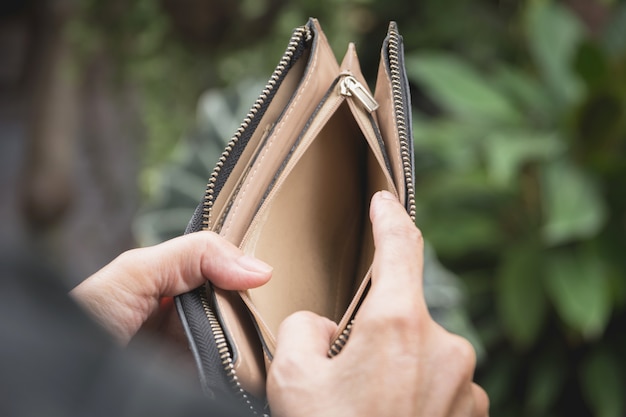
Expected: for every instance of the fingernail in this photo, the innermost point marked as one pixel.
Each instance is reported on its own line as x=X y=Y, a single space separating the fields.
x=386 y=195
x=252 y=264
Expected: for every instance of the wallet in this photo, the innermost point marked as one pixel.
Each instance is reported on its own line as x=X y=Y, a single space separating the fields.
x=293 y=188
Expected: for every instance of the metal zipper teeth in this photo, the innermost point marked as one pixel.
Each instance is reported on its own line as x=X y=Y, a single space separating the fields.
x=302 y=32
x=226 y=358
x=401 y=121
x=225 y=355
x=405 y=153
x=341 y=341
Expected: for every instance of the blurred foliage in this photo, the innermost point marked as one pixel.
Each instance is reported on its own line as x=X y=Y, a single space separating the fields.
x=522 y=190
x=172 y=50
x=520 y=135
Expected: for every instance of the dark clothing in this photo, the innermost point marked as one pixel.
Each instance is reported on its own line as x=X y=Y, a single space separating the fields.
x=54 y=361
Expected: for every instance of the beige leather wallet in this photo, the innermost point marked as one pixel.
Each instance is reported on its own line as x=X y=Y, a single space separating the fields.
x=293 y=188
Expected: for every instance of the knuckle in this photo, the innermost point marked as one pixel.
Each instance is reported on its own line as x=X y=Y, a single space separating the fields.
x=210 y=242
x=463 y=354
x=131 y=256
x=398 y=318
x=286 y=362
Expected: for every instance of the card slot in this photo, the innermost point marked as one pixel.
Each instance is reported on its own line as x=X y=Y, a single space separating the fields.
x=253 y=140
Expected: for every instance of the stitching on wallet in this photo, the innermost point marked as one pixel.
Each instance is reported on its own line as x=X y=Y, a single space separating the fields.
x=270 y=143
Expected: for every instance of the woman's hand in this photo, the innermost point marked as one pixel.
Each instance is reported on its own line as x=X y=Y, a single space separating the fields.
x=397 y=362
x=128 y=291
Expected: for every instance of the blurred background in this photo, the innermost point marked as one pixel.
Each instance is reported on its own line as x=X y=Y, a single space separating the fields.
x=113 y=113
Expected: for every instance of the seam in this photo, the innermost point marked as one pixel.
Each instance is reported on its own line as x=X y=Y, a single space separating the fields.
x=270 y=143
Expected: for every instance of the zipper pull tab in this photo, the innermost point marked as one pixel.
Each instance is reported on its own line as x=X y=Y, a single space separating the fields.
x=351 y=87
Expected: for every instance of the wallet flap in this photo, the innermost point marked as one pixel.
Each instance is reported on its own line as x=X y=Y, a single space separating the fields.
x=280 y=133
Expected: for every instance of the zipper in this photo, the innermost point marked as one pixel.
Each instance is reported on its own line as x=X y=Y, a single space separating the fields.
x=341 y=340
x=401 y=118
x=301 y=33
x=351 y=87
x=225 y=355
x=395 y=69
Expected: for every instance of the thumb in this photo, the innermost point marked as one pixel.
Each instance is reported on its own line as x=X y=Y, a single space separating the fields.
x=186 y=262
x=124 y=293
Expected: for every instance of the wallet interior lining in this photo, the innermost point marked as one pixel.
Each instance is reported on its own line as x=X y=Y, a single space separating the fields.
x=315 y=229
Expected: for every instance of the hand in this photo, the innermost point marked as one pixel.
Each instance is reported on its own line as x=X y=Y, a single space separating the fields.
x=128 y=291
x=397 y=362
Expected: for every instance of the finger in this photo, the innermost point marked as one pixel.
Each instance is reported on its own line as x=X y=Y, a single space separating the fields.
x=306 y=335
x=398 y=259
x=481 y=401
x=300 y=357
x=184 y=263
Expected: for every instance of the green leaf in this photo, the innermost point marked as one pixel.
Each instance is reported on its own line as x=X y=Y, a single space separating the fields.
x=573 y=206
x=521 y=300
x=456 y=232
x=602 y=384
x=526 y=91
x=578 y=285
x=454 y=142
x=507 y=152
x=460 y=89
x=553 y=34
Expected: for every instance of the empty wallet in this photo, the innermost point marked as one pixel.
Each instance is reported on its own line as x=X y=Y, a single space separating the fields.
x=293 y=188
